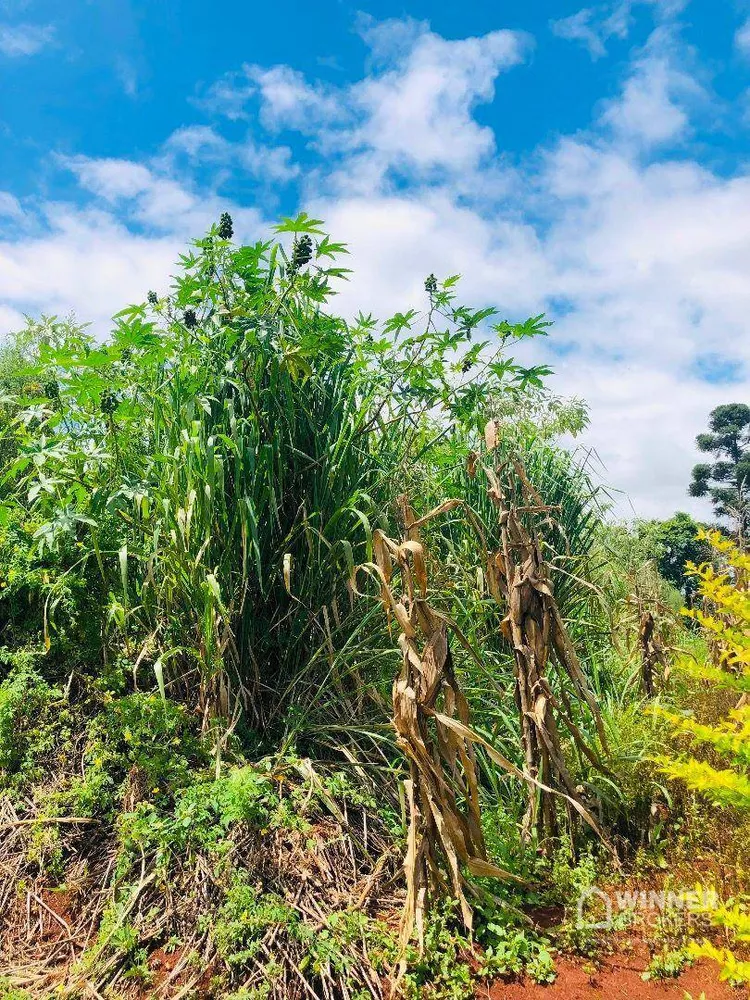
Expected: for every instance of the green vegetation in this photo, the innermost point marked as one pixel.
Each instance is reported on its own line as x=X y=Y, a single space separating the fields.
x=726 y=480
x=722 y=776
x=224 y=530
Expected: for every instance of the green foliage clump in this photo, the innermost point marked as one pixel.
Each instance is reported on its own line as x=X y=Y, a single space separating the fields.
x=10 y=992
x=219 y=465
x=201 y=815
x=635 y=738
x=667 y=964
x=248 y=912
x=726 y=480
x=511 y=949
x=666 y=546
x=117 y=934
x=332 y=946
x=441 y=971
x=33 y=720
x=677 y=544
x=568 y=876
x=143 y=734
x=261 y=992
x=245 y=916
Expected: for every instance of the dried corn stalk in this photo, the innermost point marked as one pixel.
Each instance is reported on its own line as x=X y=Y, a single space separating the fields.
x=652 y=653
x=431 y=716
x=519 y=580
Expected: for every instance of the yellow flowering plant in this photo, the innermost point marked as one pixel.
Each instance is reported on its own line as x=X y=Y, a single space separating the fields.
x=725 y=779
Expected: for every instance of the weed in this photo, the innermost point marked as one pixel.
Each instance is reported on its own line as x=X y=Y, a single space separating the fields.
x=141 y=735
x=243 y=919
x=10 y=992
x=579 y=939
x=667 y=964
x=33 y=724
x=441 y=971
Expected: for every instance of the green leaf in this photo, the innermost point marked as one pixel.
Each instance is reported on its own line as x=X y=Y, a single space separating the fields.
x=301 y=224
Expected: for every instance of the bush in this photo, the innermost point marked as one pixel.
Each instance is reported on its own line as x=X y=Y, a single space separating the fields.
x=140 y=737
x=33 y=720
x=723 y=779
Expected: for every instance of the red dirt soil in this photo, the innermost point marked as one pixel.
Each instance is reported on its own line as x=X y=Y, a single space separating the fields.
x=617 y=978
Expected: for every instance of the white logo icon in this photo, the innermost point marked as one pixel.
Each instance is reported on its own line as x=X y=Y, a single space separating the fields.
x=592 y=901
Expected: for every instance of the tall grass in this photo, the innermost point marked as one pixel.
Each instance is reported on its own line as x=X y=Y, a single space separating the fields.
x=219 y=465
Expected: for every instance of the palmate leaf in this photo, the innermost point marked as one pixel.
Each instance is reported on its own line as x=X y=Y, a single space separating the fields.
x=300 y=224
x=336 y=272
x=326 y=248
x=400 y=321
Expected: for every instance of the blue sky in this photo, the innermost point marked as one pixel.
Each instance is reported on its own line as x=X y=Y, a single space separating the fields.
x=587 y=161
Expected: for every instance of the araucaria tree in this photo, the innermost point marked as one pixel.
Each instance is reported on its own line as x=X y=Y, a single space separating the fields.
x=726 y=481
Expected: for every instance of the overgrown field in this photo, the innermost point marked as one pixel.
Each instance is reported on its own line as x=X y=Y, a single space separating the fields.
x=323 y=672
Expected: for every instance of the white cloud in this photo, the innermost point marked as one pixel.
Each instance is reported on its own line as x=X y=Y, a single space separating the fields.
x=10 y=319
x=658 y=94
x=418 y=113
x=10 y=207
x=593 y=27
x=228 y=96
x=127 y=75
x=144 y=197
x=85 y=262
x=109 y=178
x=202 y=145
x=742 y=39
x=196 y=140
x=644 y=423
x=288 y=101
x=413 y=112
x=18 y=40
x=397 y=240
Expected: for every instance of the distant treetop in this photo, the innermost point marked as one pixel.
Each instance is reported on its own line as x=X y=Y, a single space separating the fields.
x=726 y=480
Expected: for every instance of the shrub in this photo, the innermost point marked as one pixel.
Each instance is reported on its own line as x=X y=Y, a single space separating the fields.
x=139 y=736
x=723 y=779
x=29 y=728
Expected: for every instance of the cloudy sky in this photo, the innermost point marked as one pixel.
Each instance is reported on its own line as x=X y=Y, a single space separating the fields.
x=590 y=163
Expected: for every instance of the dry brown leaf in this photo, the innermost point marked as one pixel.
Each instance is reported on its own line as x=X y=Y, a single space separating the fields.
x=490 y=435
